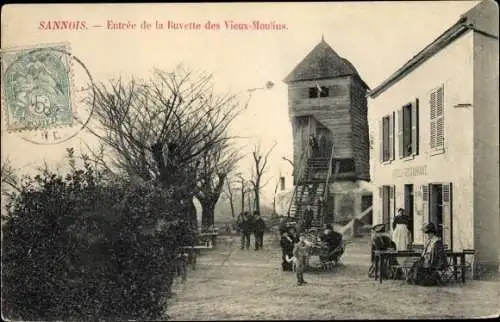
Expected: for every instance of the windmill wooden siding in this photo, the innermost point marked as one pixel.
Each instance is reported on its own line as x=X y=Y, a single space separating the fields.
x=360 y=132
x=344 y=114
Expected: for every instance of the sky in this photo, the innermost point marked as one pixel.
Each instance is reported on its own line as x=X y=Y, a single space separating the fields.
x=376 y=37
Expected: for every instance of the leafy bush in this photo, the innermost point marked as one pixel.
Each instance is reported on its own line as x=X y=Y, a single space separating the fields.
x=82 y=247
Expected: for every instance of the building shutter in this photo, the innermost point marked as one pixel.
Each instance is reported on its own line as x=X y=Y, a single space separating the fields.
x=392 y=205
x=425 y=204
x=400 y=134
x=440 y=117
x=414 y=128
x=381 y=205
x=433 y=108
x=391 y=136
x=381 y=139
x=417 y=221
x=447 y=216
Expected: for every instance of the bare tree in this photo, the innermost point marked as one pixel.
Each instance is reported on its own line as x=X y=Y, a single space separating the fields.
x=243 y=191
x=8 y=176
x=215 y=166
x=230 y=195
x=274 y=196
x=260 y=159
x=162 y=128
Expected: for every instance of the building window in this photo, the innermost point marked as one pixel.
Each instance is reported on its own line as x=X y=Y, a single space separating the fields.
x=325 y=91
x=347 y=165
x=282 y=183
x=437 y=119
x=313 y=92
x=386 y=196
x=408 y=130
x=387 y=138
x=319 y=91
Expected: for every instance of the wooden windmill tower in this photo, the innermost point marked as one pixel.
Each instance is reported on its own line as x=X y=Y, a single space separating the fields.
x=327 y=101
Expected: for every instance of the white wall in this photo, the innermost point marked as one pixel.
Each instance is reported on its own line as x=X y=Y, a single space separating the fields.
x=453 y=68
x=486 y=149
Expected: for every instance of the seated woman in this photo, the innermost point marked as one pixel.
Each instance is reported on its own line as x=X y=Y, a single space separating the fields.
x=381 y=241
x=334 y=244
x=425 y=270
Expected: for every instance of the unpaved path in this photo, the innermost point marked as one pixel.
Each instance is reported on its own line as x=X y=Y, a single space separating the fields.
x=235 y=284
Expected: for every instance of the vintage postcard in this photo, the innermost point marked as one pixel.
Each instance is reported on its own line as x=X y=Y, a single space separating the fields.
x=250 y=161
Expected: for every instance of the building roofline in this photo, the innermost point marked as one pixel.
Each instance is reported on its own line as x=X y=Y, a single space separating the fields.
x=447 y=37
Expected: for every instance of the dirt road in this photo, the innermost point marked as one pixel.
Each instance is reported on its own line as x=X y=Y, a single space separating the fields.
x=235 y=284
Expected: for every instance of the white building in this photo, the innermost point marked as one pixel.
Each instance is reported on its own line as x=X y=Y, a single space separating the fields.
x=435 y=128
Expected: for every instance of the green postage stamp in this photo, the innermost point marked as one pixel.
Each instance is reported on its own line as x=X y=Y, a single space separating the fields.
x=36 y=88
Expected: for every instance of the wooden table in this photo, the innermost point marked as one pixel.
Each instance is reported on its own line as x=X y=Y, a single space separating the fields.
x=212 y=235
x=382 y=258
x=193 y=253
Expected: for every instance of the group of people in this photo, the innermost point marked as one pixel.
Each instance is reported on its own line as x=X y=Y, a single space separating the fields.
x=296 y=248
x=251 y=224
x=433 y=258
x=319 y=147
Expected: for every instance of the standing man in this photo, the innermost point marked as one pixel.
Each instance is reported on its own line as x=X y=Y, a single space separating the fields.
x=244 y=226
x=323 y=145
x=313 y=143
x=259 y=227
x=308 y=218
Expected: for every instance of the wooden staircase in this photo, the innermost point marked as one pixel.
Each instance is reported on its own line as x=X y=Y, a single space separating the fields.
x=311 y=188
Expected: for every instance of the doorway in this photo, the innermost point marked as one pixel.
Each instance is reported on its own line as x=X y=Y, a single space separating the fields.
x=408 y=202
x=366 y=202
x=435 y=207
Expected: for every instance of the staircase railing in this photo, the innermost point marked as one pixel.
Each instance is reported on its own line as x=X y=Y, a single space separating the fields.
x=325 y=192
x=299 y=174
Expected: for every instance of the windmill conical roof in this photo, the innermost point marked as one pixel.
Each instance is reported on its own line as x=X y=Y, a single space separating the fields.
x=322 y=63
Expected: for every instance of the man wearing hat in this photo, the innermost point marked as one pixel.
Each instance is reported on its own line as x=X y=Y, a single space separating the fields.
x=433 y=258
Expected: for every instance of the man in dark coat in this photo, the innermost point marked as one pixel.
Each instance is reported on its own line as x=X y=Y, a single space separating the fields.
x=334 y=242
x=259 y=228
x=308 y=218
x=244 y=226
x=287 y=242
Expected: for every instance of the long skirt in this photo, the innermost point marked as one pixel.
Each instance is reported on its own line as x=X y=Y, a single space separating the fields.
x=401 y=237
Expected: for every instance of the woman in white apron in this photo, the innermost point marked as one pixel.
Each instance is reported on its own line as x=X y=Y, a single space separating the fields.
x=400 y=232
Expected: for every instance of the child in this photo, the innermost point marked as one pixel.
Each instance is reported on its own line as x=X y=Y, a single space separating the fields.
x=300 y=253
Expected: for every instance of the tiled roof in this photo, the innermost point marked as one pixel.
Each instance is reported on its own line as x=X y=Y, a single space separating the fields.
x=321 y=63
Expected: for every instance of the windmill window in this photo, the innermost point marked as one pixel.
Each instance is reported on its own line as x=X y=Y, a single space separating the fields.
x=319 y=91
x=347 y=165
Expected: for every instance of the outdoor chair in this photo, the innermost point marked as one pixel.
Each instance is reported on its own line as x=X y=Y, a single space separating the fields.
x=472 y=264
x=435 y=275
x=401 y=271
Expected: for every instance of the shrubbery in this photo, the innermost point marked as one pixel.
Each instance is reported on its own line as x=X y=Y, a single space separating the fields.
x=82 y=247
